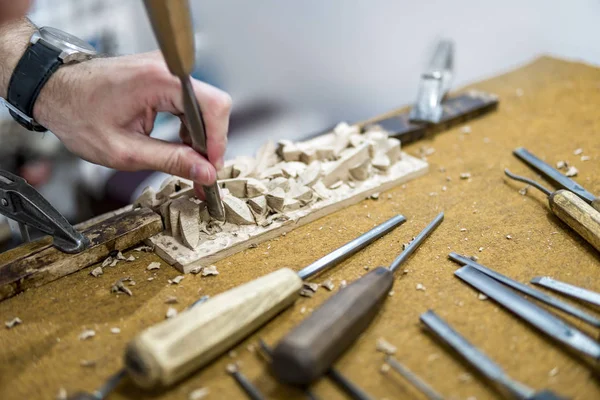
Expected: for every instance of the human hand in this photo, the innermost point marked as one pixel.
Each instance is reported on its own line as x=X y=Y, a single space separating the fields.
x=104 y=110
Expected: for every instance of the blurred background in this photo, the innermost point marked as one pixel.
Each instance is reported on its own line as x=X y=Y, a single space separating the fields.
x=294 y=68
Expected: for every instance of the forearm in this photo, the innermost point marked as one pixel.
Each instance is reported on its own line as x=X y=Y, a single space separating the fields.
x=14 y=37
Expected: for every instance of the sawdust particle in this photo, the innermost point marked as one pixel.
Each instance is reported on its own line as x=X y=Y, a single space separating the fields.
x=463 y=229
x=96 y=272
x=385 y=347
x=474 y=258
x=444 y=188
x=198 y=394
x=328 y=284
x=120 y=287
x=306 y=293
x=153 y=265
x=210 y=270
x=466 y=129
x=302 y=310
x=482 y=296
x=561 y=164
x=578 y=151
x=420 y=287
x=87 y=363
x=375 y=196
x=115 y=330
x=176 y=280
x=131 y=258
x=391 y=293
x=553 y=372
x=509 y=237
x=465 y=175
x=343 y=284
x=480 y=249
x=13 y=322
x=523 y=191
x=87 y=334
x=311 y=286
x=519 y=92
x=150 y=279
x=253 y=246
x=62 y=394
x=465 y=378
x=251 y=348
x=572 y=171
x=384 y=368
x=585 y=158
x=171 y=300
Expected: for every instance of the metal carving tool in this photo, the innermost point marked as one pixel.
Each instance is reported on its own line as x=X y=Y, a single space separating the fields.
x=529 y=291
x=247 y=386
x=113 y=381
x=507 y=386
x=568 y=289
x=554 y=176
x=413 y=379
x=154 y=357
x=172 y=25
x=535 y=315
x=336 y=376
x=19 y=201
x=310 y=349
x=435 y=84
x=571 y=209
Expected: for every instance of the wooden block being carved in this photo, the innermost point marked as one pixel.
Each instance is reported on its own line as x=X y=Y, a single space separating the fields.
x=276 y=198
x=255 y=188
x=381 y=162
x=242 y=167
x=362 y=171
x=236 y=186
x=393 y=150
x=311 y=174
x=326 y=153
x=304 y=194
x=226 y=171
x=266 y=156
x=189 y=223
x=288 y=151
x=258 y=205
x=270 y=173
x=280 y=182
x=308 y=155
x=146 y=199
x=339 y=169
x=164 y=212
x=42 y=263
x=292 y=169
x=237 y=211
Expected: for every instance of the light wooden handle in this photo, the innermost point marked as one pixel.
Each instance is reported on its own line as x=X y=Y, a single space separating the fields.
x=171 y=350
x=172 y=26
x=309 y=350
x=576 y=213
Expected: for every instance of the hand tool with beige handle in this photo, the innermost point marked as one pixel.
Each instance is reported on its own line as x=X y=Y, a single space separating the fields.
x=573 y=211
x=557 y=179
x=509 y=388
x=172 y=26
x=576 y=292
x=173 y=349
x=310 y=349
x=529 y=291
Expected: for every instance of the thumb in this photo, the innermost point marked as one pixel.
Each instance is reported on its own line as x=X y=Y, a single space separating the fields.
x=147 y=153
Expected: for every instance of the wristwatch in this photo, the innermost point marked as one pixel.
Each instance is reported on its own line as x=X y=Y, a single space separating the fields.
x=48 y=49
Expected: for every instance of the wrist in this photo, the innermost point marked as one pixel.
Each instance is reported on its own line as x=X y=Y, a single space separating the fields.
x=14 y=39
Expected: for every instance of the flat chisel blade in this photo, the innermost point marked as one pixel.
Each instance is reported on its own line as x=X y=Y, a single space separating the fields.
x=568 y=289
x=535 y=315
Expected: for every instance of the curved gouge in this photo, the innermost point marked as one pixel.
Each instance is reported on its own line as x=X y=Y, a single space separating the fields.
x=573 y=211
x=172 y=26
x=173 y=349
x=311 y=348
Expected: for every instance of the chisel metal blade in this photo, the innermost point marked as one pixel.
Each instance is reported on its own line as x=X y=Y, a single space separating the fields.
x=568 y=289
x=535 y=315
x=553 y=175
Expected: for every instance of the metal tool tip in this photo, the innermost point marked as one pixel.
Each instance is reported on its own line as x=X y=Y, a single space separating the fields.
x=536 y=279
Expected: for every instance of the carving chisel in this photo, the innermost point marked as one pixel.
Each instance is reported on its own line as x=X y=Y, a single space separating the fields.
x=173 y=349
x=172 y=25
x=554 y=176
x=243 y=382
x=310 y=349
x=573 y=211
x=535 y=315
x=414 y=380
x=509 y=388
x=529 y=291
x=568 y=289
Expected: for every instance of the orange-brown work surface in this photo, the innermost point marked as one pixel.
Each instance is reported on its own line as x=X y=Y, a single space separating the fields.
x=551 y=107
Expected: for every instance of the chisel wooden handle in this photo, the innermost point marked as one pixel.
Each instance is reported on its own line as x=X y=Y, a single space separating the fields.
x=576 y=213
x=171 y=350
x=310 y=349
x=172 y=25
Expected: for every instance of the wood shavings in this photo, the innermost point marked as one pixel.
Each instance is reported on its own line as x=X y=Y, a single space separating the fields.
x=466 y=129
x=375 y=196
x=120 y=287
x=198 y=394
x=107 y=261
x=87 y=363
x=311 y=286
x=120 y=256
x=553 y=372
x=196 y=270
x=96 y=272
x=302 y=310
x=366 y=267
x=115 y=330
x=482 y=296
x=131 y=282
x=384 y=368
x=150 y=279
x=13 y=322
x=386 y=347
x=146 y=249
x=405 y=272
x=444 y=188
x=328 y=284
x=343 y=284
x=306 y=292
x=171 y=312
x=62 y=394
x=523 y=191
x=131 y=258
x=420 y=287
x=231 y=368
x=572 y=171
x=561 y=164
x=171 y=300
x=391 y=293
x=585 y=158
x=253 y=246
x=176 y=280
x=480 y=249
x=210 y=270
x=114 y=262
x=509 y=237
x=463 y=229
x=87 y=334
x=465 y=175
x=578 y=151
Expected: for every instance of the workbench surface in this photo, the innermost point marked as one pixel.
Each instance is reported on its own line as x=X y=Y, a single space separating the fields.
x=550 y=107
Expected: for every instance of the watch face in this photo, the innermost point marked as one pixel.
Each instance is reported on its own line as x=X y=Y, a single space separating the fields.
x=64 y=41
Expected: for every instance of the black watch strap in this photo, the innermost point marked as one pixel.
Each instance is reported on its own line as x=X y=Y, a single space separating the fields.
x=32 y=72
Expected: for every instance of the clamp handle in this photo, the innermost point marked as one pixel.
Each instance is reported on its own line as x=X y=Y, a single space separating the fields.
x=21 y=202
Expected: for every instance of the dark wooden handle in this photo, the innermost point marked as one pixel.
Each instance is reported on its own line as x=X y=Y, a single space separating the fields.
x=576 y=213
x=172 y=26
x=308 y=351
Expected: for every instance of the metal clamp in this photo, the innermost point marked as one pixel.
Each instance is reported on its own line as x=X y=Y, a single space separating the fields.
x=20 y=201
